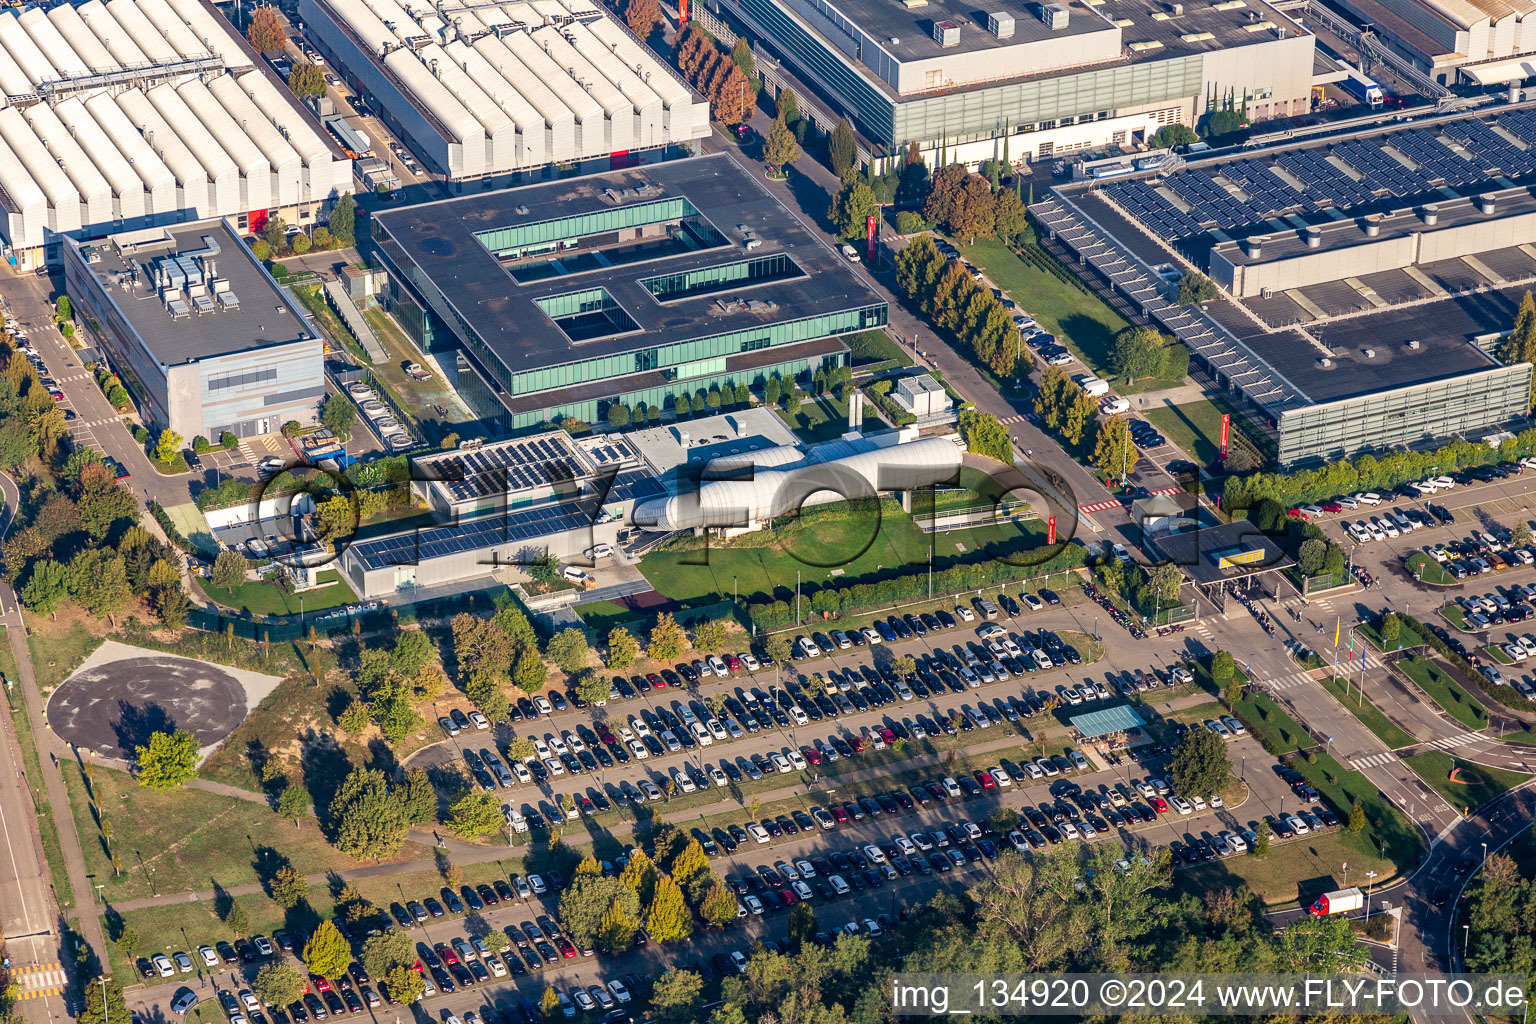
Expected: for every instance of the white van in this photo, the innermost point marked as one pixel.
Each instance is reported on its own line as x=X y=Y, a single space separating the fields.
x=1368 y=498
x=1091 y=385
x=1114 y=406
x=573 y=574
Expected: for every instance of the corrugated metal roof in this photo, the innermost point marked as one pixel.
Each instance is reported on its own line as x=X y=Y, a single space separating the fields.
x=192 y=174
x=92 y=184
x=137 y=24
x=104 y=156
x=607 y=95
x=82 y=40
x=118 y=42
x=176 y=31
x=217 y=35
x=673 y=93
x=146 y=163
x=59 y=53
x=13 y=80
x=253 y=164
x=20 y=46
x=28 y=149
x=1101 y=723
x=460 y=124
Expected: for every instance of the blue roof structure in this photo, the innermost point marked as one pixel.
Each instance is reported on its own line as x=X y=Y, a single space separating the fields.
x=1101 y=723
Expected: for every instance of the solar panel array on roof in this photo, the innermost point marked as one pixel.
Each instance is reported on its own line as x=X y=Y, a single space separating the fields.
x=1521 y=124
x=1313 y=170
x=518 y=465
x=1209 y=202
x=1424 y=149
x=1382 y=172
x=1144 y=202
x=1267 y=191
x=1501 y=154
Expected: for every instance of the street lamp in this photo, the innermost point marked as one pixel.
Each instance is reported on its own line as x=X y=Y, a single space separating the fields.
x=1368 y=876
x=1485 y=853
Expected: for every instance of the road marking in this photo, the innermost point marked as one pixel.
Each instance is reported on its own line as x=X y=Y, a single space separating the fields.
x=1460 y=739
x=1372 y=761
x=1098 y=506
x=1009 y=421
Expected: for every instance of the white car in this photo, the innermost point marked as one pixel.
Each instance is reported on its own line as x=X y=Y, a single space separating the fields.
x=797 y=760
x=874 y=853
x=717 y=666
x=536 y=883
x=750 y=661
x=966 y=615
x=1032 y=602
x=805 y=867
x=808 y=646
x=871 y=637
x=209 y=957
x=757 y=832
x=1182 y=806
x=479 y=720
x=1516 y=652
x=1003 y=778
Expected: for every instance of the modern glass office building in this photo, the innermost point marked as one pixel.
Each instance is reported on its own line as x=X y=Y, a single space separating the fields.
x=633 y=287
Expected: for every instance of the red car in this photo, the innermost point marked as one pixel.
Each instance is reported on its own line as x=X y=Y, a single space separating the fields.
x=787 y=897
x=1297 y=513
x=986 y=780
x=1332 y=506
x=656 y=681
x=888 y=736
x=811 y=754
x=567 y=950
x=1159 y=805
x=733 y=663
x=840 y=814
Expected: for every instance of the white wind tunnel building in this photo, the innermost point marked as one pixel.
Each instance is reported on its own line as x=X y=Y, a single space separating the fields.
x=127 y=114
x=487 y=90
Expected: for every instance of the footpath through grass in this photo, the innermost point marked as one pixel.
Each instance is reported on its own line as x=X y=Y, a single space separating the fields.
x=16 y=705
x=1369 y=714
x=1474 y=784
x=1446 y=692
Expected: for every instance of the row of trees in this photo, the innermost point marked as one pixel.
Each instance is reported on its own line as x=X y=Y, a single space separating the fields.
x=984 y=434
x=732 y=96
x=942 y=290
x=1368 y=472
x=490 y=654
x=971 y=206
x=1073 y=414
x=1146 y=352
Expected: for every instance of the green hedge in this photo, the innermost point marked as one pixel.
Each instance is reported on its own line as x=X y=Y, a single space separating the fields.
x=1508 y=696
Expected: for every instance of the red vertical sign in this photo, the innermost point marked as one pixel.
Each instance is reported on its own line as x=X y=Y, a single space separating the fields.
x=1226 y=432
x=1050 y=530
x=682 y=13
x=870 y=224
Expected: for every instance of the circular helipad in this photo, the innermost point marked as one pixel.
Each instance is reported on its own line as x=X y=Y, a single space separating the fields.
x=122 y=695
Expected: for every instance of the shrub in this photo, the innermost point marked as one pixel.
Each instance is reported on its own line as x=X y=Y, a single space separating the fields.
x=200 y=445
x=910 y=222
x=229 y=440
x=141 y=435
x=261 y=250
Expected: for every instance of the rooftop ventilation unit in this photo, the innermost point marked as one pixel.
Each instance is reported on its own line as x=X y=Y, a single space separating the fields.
x=1412 y=344
x=1055 y=16
x=1488 y=204
x=1255 y=247
x=1431 y=214
x=1314 y=237
x=946 y=33
x=1000 y=24
x=1372 y=227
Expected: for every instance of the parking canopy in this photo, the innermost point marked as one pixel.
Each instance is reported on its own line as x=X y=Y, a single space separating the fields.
x=1101 y=723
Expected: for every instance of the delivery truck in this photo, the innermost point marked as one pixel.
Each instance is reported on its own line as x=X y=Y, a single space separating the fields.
x=1341 y=901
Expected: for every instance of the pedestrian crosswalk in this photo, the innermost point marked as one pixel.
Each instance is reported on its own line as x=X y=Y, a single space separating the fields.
x=1009 y=421
x=39 y=980
x=1372 y=760
x=1098 y=506
x=1461 y=739
x=1300 y=678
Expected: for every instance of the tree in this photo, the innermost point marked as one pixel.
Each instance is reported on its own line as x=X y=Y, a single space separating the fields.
x=802 y=924
x=265 y=32
x=851 y=206
x=668 y=918
x=529 y=672
x=46 y=587
x=1356 y=817
x=235 y=919
x=1115 y=453
x=1391 y=631
x=1171 y=135
x=1138 y=352
x=549 y=1005
x=1199 y=765
x=307 y=80
x=617 y=415
x=355 y=717
x=780 y=148
x=667 y=641
x=1310 y=555
x=718 y=906
x=279 y=983
x=741 y=56
x=104 y=1003
x=591 y=687
x=623 y=648
x=403 y=984
x=417 y=797
x=1261 y=836
x=733 y=99
x=293 y=803
x=788 y=106
x=588 y=900
x=337 y=414
x=169 y=760
x=568 y=649
x=709 y=635
x=1222 y=668
x=385 y=951
x=842 y=148
x=62 y=309
x=288 y=889
x=343 y=219
x=642 y=16
x=1011 y=220
x=676 y=996
x=412 y=652
x=327 y=952
x=474 y=815
x=985 y=434
x=366 y=819
x=1195 y=288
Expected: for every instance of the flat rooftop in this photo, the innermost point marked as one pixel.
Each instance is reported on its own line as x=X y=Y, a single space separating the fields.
x=885 y=19
x=1348 y=232
x=261 y=316
x=1200 y=554
x=593 y=277
x=696 y=442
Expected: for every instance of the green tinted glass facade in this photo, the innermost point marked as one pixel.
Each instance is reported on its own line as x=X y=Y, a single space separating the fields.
x=671 y=287
x=518 y=238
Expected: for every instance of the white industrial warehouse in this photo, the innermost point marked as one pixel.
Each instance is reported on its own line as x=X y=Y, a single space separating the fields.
x=487 y=90
x=134 y=113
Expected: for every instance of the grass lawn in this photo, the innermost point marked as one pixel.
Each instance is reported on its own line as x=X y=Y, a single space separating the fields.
x=869 y=349
x=1476 y=784
x=16 y=706
x=602 y=616
x=185 y=926
x=828 y=544
x=1386 y=831
x=1296 y=871
x=1280 y=732
x=1196 y=427
x=1076 y=316
x=1497 y=654
x=1427 y=570
x=1407 y=636
x=184 y=840
x=1453 y=614
x=826 y=419
x=1457 y=702
x=1369 y=714
x=268 y=598
x=58 y=646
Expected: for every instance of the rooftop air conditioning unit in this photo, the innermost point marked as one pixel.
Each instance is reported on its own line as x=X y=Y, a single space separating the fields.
x=1055 y=16
x=946 y=33
x=1000 y=24
x=1412 y=344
